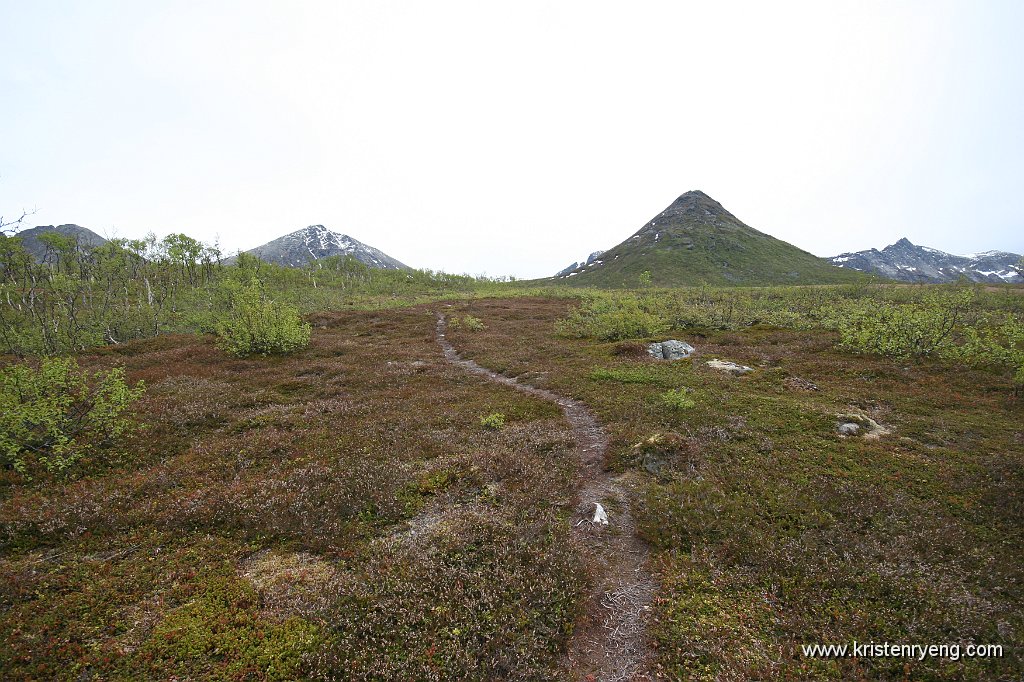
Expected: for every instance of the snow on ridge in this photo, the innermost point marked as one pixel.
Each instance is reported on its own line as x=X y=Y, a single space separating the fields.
x=325 y=238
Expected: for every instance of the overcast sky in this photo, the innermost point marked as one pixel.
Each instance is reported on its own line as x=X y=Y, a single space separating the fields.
x=515 y=137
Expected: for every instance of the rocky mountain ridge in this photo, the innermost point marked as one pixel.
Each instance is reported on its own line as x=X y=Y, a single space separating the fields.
x=908 y=262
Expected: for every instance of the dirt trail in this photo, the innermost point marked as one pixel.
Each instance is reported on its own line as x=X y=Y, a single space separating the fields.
x=611 y=644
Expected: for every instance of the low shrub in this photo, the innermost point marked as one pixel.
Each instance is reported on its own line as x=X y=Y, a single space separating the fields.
x=678 y=399
x=53 y=416
x=467 y=322
x=256 y=325
x=612 y=319
x=494 y=421
x=903 y=330
x=995 y=342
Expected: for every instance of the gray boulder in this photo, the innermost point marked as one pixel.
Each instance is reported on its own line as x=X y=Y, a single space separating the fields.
x=848 y=429
x=670 y=350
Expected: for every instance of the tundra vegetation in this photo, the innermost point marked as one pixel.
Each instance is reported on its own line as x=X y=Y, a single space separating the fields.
x=183 y=497
x=768 y=528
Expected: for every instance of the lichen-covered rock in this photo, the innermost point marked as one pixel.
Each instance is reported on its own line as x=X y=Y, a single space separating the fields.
x=730 y=367
x=860 y=423
x=670 y=350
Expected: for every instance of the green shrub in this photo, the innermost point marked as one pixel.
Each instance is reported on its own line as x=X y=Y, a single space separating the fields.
x=494 y=421
x=903 y=329
x=994 y=342
x=678 y=399
x=612 y=319
x=468 y=322
x=53 y=416
x=256 y=325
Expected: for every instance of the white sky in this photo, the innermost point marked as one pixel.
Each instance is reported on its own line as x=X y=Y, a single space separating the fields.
x=515 y=137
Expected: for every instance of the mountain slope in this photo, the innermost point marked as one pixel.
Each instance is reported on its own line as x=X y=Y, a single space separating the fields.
x=695 y=241
x=86 y=238
x=909 y=262
x=316 y=242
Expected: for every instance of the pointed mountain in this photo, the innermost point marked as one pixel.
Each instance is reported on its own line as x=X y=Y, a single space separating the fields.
x=84 y=237
x=694 y=241
x=316 y=242
x=908 y=262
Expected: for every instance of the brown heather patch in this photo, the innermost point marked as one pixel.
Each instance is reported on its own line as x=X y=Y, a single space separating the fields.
x=293 y=583
x=236 y=532
x=342 y=514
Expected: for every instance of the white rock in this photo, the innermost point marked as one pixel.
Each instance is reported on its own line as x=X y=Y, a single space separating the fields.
x=600 y=516
x=730 y=367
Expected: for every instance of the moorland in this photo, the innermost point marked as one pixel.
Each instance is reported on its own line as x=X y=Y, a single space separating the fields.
x=250 y=471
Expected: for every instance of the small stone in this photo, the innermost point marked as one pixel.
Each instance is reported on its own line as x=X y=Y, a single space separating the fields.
x=849 y=429
x=600 y=516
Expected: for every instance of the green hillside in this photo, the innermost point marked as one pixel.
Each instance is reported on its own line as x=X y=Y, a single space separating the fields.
x=696 y=241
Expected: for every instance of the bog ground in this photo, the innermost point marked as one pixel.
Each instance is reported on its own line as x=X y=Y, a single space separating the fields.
x=358 y=510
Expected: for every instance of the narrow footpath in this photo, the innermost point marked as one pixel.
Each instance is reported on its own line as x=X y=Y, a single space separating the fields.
x=610 y=644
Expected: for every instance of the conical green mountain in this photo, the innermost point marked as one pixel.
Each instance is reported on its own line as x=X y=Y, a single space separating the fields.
x=696 y=241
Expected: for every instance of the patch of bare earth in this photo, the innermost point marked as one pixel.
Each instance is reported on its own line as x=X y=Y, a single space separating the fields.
x=610 y=643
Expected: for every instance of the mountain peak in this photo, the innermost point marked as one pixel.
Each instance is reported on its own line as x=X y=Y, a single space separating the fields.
x=694 y=198
x=85 y=238
x=693 y=207
x=693 y=194
x=696 y=240
x=314 y=242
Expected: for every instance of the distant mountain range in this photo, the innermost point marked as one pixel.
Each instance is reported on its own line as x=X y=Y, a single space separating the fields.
x=909 y=262
x=294 y=249
x=694 y=241
x=316 y=242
